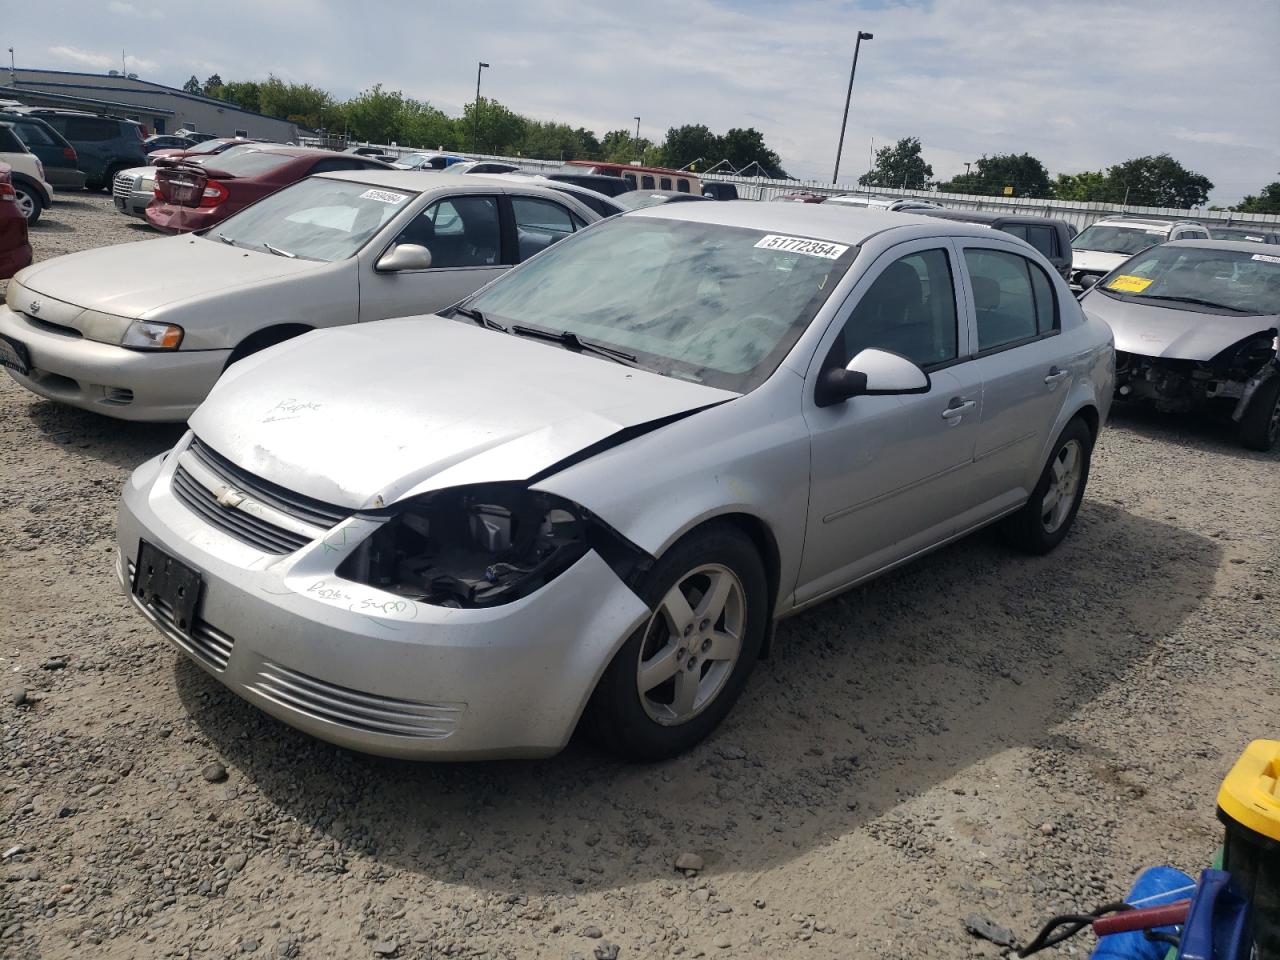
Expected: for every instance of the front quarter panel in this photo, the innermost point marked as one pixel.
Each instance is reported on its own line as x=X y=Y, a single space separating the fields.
x=747 y=456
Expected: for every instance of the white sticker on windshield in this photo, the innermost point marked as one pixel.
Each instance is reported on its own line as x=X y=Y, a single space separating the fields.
x=383 y=196
x=1265 y=258
x=810 y=248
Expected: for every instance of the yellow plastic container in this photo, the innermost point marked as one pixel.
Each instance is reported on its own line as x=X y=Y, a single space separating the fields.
x=1249 y=807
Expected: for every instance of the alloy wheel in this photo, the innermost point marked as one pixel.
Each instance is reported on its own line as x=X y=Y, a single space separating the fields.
x=1066 y=468
x=26 y=204
x=691 y=644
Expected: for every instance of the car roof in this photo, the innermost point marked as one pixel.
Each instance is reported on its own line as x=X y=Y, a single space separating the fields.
x=991 y=216
x=1141 y=222
x=1239 y=246
x=851 y=225
x=525 y=178
x=416 y=182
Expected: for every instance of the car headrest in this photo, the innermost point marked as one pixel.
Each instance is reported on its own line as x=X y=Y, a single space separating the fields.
x=986 y=293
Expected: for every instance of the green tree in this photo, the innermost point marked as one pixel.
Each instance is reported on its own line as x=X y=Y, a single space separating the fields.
x=621 y=146
x=553 y=141
x=1091 y=185
x=192 y=85
x=375 y=115
x=690 y=143
x=243 y=93
x=1158 y=181
x=421 y=124
x=590 y=145
x=743 y=147
x=212 y=86
x=499 y=130
x=899 y=166
x=1267 y=201
x=1023 y=172
x=299 y=102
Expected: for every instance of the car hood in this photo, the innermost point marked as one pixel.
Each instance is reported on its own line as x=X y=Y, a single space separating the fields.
x=131 y=279
x=363 y=416
x=1096 y=261
x=1157 y=331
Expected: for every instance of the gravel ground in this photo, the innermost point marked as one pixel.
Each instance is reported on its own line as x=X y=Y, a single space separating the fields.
x=981 y=733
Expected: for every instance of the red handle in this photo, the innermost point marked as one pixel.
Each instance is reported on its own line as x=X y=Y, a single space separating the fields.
x=1163 y=916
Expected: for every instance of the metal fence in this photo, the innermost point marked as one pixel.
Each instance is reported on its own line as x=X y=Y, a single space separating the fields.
x=1078 y=214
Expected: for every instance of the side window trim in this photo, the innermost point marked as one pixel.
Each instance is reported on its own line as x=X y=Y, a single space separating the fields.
x=961 y=244
x=835 y=328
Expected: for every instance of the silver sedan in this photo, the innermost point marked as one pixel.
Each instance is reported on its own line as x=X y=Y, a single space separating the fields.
x=141 y=331
x=591 y=489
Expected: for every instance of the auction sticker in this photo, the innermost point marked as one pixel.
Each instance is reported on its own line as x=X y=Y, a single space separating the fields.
x=1264 y=257
x=1127 y=284
x=810 y=248
x=383 y=196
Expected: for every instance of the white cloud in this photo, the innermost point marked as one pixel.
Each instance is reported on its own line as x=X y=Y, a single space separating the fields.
x=1081 y=85
x=124 y=9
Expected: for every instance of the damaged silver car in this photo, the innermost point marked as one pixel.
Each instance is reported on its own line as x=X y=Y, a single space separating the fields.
x=591 y=489
x=1196 y=323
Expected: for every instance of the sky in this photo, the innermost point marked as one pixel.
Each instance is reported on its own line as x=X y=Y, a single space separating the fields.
x=1080 y=85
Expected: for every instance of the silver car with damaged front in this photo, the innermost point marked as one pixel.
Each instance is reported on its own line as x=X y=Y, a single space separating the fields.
x=593 y=487
x=1196 y=325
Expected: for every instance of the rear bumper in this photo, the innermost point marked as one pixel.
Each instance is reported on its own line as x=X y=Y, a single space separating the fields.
x=111 y=380
x=172 y=218
x=65 y=178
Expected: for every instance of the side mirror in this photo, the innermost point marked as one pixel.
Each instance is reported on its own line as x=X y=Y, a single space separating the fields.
x=404 y=256
x=871 y=373
x=1088 y=280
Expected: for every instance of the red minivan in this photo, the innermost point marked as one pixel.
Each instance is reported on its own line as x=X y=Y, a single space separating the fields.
x=15 y=248
x=193 y=196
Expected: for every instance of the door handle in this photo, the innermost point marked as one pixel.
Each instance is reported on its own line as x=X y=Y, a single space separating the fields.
x=958 y=407
x=1055 y=374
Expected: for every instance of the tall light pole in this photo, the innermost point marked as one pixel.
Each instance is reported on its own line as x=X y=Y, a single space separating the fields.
x=475 y=116
x=847 y=97
x=636 y=142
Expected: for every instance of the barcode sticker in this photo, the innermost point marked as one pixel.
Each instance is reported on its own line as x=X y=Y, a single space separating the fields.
x=383 y=196
x=1265 y=258
x=810 y=248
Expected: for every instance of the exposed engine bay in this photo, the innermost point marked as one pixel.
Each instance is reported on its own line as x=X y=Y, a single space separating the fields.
x=1177 y=386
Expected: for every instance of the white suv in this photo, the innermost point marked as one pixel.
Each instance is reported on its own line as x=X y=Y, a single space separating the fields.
x=1105 y=244
x=34 y=194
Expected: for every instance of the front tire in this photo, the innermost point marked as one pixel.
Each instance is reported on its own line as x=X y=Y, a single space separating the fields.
x=1050 y=511
x=1260 y=425
x=680 y=673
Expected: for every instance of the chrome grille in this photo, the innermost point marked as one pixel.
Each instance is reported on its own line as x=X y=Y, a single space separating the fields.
x=245 y=527
x=351 y=708
x=123 y=184
x=205 y=642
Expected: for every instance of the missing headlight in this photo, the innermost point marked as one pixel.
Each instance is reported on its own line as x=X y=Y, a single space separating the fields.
x=481 y=546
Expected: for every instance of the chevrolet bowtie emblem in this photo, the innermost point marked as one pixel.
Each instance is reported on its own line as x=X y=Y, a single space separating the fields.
x=35 y=307
x=229 y=498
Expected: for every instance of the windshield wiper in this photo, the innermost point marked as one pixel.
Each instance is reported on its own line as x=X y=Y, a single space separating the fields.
x=1196 y=300
x=225 y=239
x=574 y=342
x=480 y=318
x=278 y=252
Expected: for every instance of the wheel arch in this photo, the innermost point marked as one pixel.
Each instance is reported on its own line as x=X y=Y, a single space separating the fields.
x=265 y=337
x=17 y=177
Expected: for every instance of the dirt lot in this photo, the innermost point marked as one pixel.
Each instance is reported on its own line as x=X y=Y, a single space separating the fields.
x=981 y=733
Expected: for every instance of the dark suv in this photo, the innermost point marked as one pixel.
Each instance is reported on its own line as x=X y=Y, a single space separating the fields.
x=1049 y=235
x=56 y=155
x=104 y=145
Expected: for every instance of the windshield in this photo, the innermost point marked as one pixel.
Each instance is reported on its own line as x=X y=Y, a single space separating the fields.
x=314 y=219
x=708 y=303
x=209 y=146
x=1109 y=238
x=1243 y=233
x=1200 y=279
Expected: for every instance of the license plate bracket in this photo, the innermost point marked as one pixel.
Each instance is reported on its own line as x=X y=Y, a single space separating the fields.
x=15 y=355
x=167 y=585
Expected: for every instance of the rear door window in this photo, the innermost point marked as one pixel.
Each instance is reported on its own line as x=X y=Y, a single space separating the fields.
x=682 y=185
x=34 y=134
x=91 y=129
x=1012 y=298
x=1042 y=238
x=646 y=182
x=539 y=224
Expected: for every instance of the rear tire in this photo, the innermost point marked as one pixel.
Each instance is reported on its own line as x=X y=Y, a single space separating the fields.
x=1047 y=517
x=1260 y=425
x=29 y=202
x=694 y=666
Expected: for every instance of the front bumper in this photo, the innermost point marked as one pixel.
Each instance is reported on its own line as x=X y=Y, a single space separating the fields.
x=128 y=384
x=133 y=204
x=323 y=654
